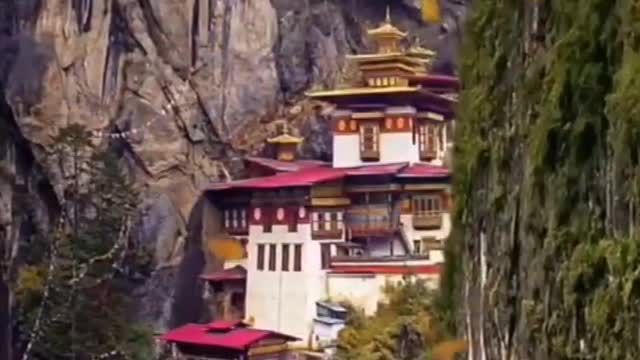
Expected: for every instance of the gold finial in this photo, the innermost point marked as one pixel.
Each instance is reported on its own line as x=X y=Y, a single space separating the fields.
x=388 y=17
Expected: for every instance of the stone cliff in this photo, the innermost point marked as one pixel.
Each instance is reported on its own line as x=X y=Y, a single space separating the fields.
x=180 y=89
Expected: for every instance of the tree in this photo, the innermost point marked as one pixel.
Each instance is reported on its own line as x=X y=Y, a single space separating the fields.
x=73 y=295
x=403 y=328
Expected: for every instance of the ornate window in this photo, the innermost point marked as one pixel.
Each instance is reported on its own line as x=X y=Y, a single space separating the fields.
x=327 y=224
x=427 y=211
x=235 y=221
x=369 y=142
x=428 y=141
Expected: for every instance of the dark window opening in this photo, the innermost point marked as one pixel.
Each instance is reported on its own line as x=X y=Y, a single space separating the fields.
x=260 y=260
x=272 y=257
x=285 y=257
x=325 y=253
x=297 y=257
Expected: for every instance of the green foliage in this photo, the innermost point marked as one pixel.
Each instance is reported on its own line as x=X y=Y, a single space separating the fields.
x=403 y=328
x=74 y=297
x=547 y=165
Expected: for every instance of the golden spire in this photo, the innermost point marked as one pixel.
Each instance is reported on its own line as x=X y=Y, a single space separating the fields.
x=387 y=36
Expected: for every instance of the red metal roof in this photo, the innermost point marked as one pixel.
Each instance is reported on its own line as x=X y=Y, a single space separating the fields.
x=235 y=273
x=313 y=175
x=424 y=171
x=305 y=177
x=235 y=338
x=387 y=269
x=225 y=325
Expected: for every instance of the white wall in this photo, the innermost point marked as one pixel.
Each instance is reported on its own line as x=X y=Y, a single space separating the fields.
x=346 y=150
x=381 y=247
x=365 y=291
x=440 y=234
x=284 y=300
x=398 y=147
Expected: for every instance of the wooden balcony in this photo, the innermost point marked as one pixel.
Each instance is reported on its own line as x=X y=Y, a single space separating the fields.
x=371 y=220
x=431 y=221
x=428 y=155
x=369 y=155
x=326 y=234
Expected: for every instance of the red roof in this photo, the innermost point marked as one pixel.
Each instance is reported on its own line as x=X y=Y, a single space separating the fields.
x=424 y=171
x=286 y=166
x=226 y=335
x=387 y=269
x=313 y=175
x=235 y=273
x=225 y=325
x=305 y=177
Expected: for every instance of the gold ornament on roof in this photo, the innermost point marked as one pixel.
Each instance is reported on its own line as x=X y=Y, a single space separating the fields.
x=284 y=137
x=387 y=36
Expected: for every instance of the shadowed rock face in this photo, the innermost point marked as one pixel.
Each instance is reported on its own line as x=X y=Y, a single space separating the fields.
x=194 y=78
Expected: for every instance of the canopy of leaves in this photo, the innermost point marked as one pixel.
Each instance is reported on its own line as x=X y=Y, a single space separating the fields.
x=547 y=172
x=403 y=328
x=74 y=297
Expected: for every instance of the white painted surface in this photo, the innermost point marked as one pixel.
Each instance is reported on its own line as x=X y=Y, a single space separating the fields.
x=279 y=300
x=439 y=234
x=346 y=150
x=365 y=291
x=326 y=333
x=398 y=147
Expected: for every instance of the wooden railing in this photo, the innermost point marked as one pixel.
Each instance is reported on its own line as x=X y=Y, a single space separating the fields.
x=367 y=220
x=427 y=221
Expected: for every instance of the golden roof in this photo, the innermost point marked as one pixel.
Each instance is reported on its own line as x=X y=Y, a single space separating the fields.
x=365 y=91
x=285 y=139
x=387 y=29
x=419 y=51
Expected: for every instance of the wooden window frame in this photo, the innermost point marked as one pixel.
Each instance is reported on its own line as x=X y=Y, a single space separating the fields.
x=325 y=256
x=428 y=139
x=297 y=257
x=285 y=257
x=260 y=257
x=273 y=253
x=292 y=223
x=267 y=220
x=369 y=151
x=235 y=220
x=327 y=224
x=427 y=211
x=417 y=247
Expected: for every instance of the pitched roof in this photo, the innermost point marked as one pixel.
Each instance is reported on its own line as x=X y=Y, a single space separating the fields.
x=314 y=175
x=421 y=170
x=285 y=166
x=237 y=272
x=222 y=334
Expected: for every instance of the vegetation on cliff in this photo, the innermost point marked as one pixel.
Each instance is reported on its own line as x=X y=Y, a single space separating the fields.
x=404 y=328
x=547 y=174
x=73 y=291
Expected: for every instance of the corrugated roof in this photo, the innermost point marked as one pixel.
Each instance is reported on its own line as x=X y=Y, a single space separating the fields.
x=421 y=170
x=229 y=337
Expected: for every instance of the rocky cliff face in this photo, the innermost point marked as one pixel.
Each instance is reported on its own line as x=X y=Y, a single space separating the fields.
x=179 y=88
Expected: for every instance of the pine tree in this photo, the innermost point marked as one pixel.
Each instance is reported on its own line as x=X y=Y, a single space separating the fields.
x=74 y=296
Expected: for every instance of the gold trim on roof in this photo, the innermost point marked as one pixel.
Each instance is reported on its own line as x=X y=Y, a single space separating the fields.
x=284 y=139
x=365 y=91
